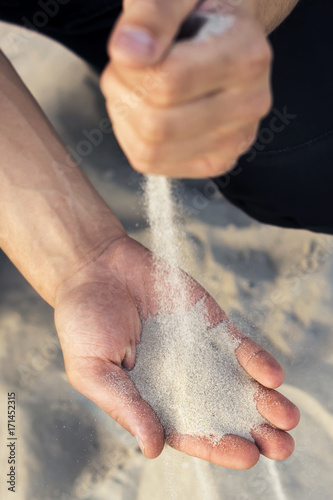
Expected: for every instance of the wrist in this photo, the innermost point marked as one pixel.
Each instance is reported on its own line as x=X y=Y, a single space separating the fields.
x=87 y=247
x=57 y=238
x=110 y=261
x=52 y=220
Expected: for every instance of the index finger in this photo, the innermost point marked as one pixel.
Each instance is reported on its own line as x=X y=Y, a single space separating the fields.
x=193 y=69
x=255 y=360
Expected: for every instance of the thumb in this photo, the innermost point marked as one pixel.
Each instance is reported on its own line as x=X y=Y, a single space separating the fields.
x=108 y=386
x=146 y=30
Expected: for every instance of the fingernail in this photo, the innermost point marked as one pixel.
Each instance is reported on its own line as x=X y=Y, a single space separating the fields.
x=140 y=444
x=135 y=42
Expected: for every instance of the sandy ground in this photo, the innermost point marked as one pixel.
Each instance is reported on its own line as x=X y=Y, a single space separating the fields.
x=275 y=284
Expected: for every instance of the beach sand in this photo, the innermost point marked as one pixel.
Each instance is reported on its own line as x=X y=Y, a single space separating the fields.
x=275 y=284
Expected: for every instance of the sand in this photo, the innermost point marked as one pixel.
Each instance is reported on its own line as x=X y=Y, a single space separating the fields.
x=275 y=284
x=186 y=370
x=215 y=25
x=190 y=376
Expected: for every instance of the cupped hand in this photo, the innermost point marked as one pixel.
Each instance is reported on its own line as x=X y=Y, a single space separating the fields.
x=188 y=108
x=98 y=314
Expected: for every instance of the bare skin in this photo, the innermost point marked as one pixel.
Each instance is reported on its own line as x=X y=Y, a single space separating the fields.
x=73 y=250
x=98 y=316
x=211 y=95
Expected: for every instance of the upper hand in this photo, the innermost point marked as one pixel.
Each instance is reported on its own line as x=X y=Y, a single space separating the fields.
x=98 y=315
x=191 y=108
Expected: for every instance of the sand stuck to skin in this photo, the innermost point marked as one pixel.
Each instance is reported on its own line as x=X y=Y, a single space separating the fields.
x=192 y=379
x=187 y=371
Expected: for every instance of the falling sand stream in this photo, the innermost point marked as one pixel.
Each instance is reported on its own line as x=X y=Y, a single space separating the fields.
x=189 y=372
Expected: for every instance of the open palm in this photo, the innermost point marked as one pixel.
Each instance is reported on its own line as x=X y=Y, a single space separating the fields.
x=98 y=317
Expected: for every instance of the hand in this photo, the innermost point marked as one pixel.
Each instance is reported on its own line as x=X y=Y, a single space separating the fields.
x=191 y=108
x=98 y=315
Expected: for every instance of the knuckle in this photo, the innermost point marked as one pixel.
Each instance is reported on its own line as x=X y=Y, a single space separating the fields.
x=257 y=106
x=259 y=55
x=144 y=156
x=211 y=167
x=217 y=169
x=245 y=141
x=167 y=93
x=249 y=140
x=173 y=81
x=204 y=166
x=262 y=104
x=154 y=128
x=227 y=165
x=142 y=168
x=255 y=58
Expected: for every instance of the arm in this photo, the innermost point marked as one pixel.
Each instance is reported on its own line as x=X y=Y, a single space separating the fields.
x=64 y=239
x=51 y=218
x=73 y=250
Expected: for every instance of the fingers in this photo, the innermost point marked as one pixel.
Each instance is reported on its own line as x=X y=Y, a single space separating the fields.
x=277 y=409
x=232 y=451
x=257 y=362
x=196 y=111
x=240 y=55
x=151 y=144
x=273 y=443
x=144 y=157
x=146 y=29
x=260 y=365
x=226 y=111
x=107 y=385
x=192 y=70
x=194 y=139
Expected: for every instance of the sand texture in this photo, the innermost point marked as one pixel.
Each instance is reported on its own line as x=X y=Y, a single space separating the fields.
x=275 y=284
x=190 y=376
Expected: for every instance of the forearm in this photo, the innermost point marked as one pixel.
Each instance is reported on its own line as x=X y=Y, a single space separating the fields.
x=51 y=218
